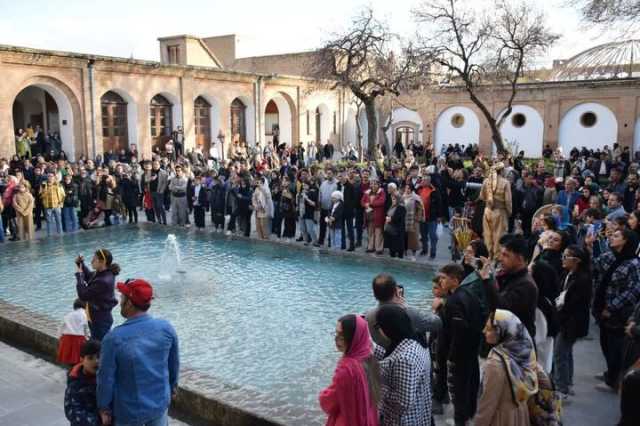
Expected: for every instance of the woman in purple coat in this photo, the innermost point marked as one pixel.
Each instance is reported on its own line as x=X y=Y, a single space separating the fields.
x=96 y=289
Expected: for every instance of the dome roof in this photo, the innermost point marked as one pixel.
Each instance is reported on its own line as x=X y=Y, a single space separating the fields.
x=620 y=59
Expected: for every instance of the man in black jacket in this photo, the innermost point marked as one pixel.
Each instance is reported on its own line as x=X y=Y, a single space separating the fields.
x=349 y=207
x=462 y=329
x=515 y=289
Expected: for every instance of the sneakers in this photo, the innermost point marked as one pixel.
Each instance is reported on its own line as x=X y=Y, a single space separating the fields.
x=564 y=397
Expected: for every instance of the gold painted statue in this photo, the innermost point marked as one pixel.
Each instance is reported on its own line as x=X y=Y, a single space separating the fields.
x=496 y=194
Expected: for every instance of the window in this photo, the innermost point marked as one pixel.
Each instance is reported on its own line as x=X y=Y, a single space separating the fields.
x=173 y=54
x=405 y=135
x=202 y=123
x=238 y=126
x=114 y=122
x=588 y=119
x=457 y=121
x=160 y=120
x=518 y=120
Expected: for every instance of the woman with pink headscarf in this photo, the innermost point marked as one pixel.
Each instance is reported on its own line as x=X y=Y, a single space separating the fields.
x=352 y=398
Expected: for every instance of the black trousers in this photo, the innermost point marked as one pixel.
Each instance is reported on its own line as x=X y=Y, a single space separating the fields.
x=39 y=212
x=439 y=371
x=244 y=223
x=323 y=226
x=198 y=216
x=359 y=225
x=132 y=213
x=612 y=345
x=464 y=382
x=348 y=224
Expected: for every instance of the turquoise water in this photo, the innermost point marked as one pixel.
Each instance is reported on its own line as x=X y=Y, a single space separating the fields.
x=257 y=317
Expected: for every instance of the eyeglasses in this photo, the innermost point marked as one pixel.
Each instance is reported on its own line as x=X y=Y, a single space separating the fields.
x=337 y=336
x=566 y=257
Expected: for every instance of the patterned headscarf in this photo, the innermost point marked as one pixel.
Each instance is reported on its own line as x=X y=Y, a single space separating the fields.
x=515 y=348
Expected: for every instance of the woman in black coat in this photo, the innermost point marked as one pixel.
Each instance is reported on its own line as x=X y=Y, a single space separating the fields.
x=394 y=229
x=573 y=313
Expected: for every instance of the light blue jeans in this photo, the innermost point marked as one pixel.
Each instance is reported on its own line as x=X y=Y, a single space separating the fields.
x=54 y=214
x=160 y=421
x=336 y=238
x=309 y=228
x=70 y=219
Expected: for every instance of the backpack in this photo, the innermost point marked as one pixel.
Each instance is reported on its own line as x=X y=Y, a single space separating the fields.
x=545 y=407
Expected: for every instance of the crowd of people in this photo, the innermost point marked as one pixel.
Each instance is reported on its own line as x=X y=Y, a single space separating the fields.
x=537 y=248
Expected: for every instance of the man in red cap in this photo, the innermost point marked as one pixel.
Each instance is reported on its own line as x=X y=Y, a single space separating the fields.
x=140 y=363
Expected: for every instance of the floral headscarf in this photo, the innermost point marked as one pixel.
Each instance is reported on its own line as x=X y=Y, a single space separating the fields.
x=515 y=348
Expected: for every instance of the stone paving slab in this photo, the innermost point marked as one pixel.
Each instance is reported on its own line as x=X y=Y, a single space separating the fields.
x=32 y=390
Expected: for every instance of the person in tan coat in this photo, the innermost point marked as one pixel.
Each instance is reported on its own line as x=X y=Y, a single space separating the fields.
x=23 y=205
x=510 y=374
x=496 y=193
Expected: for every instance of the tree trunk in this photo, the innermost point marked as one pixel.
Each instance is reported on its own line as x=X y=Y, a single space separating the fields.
x=359 y=127
x=372 y=126
x=496 y=135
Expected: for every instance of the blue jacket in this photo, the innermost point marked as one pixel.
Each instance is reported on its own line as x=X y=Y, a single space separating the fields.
x=568 y=200
x=139 y=366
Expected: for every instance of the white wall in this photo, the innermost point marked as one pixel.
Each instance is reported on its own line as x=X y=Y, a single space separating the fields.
x=351 y=128
x=529 y=137
x=326 y=121
x=446 y=133
x=636 y=137
x=405 y=115
x=573 y=134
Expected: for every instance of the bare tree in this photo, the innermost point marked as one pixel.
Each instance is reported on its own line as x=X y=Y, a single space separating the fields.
x=365 y=59
x=609 y=11
x=358 y=104
x=482 y=49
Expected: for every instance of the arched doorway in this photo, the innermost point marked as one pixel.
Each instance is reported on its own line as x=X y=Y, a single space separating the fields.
x=272 y=123
x=589 y=125
x=161 y=120
x=457 y=125
x=36 y=108
x=523 y=130
x=202 y=121
x=114 y=122
x=238 y=121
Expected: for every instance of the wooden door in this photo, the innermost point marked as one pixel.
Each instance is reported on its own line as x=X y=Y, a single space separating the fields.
x=161 y=120
x=202 y=122
x=115 y=126
x=238 y=121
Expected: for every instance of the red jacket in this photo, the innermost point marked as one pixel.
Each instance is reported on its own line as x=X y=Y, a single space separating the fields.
x=377 y=204
x=425 y=195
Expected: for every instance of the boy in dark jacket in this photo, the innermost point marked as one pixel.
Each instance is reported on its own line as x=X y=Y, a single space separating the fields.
x=80 y=405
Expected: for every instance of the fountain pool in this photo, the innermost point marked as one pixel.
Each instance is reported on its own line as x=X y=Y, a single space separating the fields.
x=255 y=317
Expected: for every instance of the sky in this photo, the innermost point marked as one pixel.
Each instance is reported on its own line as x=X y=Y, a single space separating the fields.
x=130 y=28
